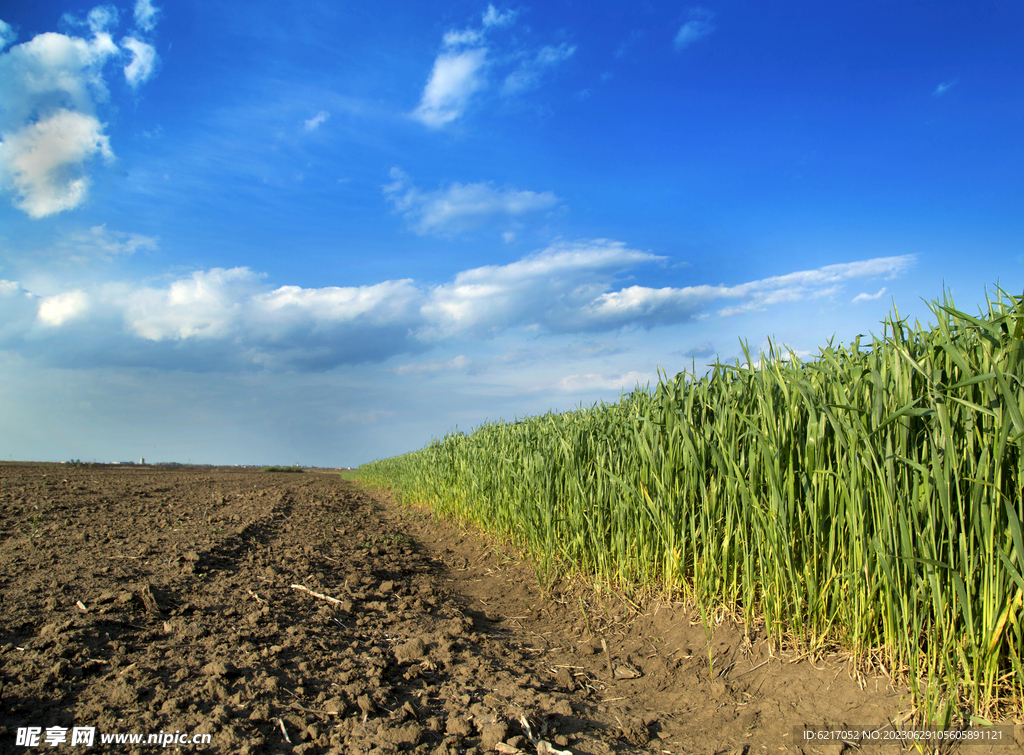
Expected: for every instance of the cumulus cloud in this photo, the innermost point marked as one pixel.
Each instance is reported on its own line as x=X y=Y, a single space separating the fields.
x=551 y=289
x=462 y=68
x=944 y=87
x=143 y=62
x=460 y=207
x=52 y=72
x=62 y=308
x=145 y=15
x=233 y=318
x=316 y=121
x=700 y=25
x=50 y=88
x=292 y=306
x=286 y=327
x=867 y=297
x=204 y=305
x=44 y=162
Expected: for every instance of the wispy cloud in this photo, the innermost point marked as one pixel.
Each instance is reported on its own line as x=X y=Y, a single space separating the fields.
x=461 y=363
x=463 y=68
x=460 y=207
x=944 y=87
x=634 y=36
x=365 y=418
x=527 y=75
x=700 y=25
x=100 y=243
x=51 y=87
x=705 y=349
x=649 y=306
x=232 y=319
x=7 y=34
x=867 y=297
x=494 y=17
x=146 y=15
x=316 y=121
x=455 y=78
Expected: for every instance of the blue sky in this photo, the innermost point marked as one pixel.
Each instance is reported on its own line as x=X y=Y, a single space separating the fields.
x=323 y=233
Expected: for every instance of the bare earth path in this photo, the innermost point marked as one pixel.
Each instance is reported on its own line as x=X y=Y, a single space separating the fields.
x=146 y=600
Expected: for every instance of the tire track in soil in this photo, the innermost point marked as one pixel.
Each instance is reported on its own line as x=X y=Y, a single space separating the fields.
x=438 y=642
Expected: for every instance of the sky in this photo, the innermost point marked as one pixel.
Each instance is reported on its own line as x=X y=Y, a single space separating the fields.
x=324 y=233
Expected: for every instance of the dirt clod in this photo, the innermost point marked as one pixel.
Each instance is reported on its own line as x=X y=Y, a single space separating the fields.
x=412 y=650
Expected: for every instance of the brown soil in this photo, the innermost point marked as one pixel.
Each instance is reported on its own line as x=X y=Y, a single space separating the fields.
x=141 y=599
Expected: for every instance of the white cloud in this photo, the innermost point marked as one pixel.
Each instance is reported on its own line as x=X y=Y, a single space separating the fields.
x=527 y=75
x=944 y=87
x=62 y=308
x=52 y=72
x=867 y=297
x=204 y=305
x=462 y=68
x=492 y=17
x=463 y=38
x=649 y=306
x=386 y=302
x=455 y=78
x=7 y=34
x=144 y=60
x=316 y=121
x=50 y=87
x=44 y=162
x=552 y=289
x=700 y=25
x=100 y=18
x=103 y=244
x=605 y=382
x=460 y=207
x=145 y=15
x=227 y=319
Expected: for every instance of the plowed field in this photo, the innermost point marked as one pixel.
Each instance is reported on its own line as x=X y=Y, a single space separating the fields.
x=298 y=613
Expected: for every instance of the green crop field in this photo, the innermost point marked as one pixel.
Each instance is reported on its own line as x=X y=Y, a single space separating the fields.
x=869 y=498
